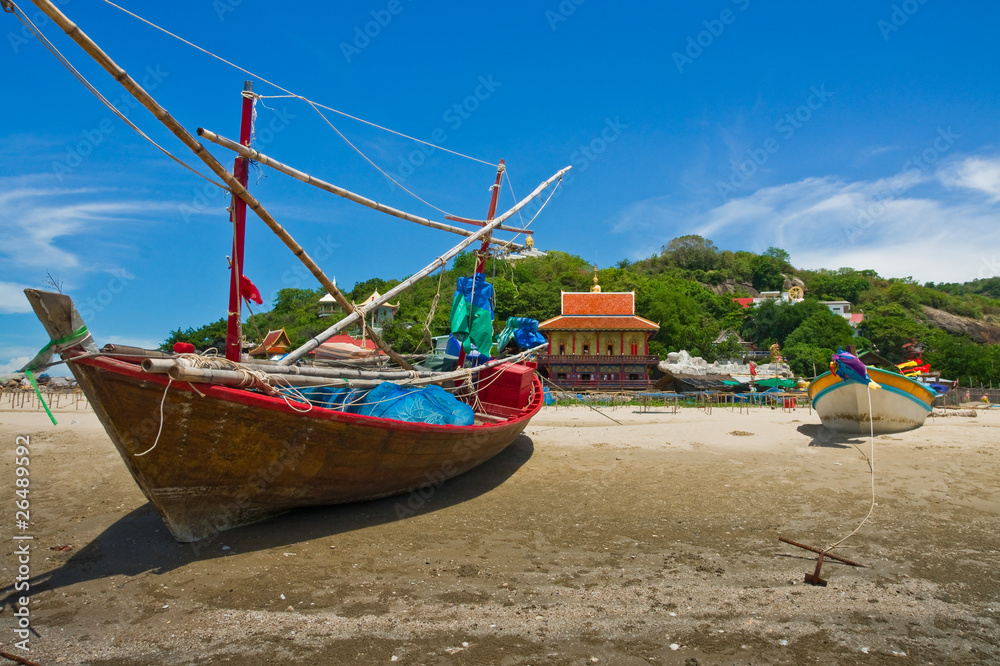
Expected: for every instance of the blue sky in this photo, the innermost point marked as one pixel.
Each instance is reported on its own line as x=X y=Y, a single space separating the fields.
x=859 y=134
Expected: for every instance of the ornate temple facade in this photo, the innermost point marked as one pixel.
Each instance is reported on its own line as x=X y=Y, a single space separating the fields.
x=598 y=342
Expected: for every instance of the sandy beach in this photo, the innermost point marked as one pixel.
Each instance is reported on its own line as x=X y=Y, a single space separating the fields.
x=652 y=541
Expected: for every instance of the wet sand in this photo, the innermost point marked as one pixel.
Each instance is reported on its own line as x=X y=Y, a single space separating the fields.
x=650 y=542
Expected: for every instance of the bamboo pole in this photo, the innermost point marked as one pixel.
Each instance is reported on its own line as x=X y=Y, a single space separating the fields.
x=178 y=370
x=257 y=156
x=161 y=114
x=180 y=373
x=427 y=270
x=164 y=365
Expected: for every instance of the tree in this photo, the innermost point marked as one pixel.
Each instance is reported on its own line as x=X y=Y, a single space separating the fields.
x=889 y=327
x=691 y=252
x=783 y=258
x=766 y=273
x=846 y=284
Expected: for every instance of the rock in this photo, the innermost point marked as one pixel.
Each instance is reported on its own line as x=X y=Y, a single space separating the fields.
x=980 y=332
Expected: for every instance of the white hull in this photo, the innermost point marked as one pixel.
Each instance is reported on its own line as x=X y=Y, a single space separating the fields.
x=901 y=404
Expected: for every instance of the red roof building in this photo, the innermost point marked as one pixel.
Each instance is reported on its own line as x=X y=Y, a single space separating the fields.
x=598 y=341
x=275 y=343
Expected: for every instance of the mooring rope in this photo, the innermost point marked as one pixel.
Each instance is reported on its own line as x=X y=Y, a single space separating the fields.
x=871 y=466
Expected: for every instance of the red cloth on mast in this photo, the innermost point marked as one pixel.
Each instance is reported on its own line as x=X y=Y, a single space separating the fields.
x=249 y=291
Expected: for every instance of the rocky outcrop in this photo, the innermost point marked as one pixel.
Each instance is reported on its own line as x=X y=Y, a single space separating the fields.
x=732 y=287
x=976 y=330
x=792 y=281
x=682 y=363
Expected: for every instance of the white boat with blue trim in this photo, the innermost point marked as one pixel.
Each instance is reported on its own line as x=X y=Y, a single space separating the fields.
x=842 y=405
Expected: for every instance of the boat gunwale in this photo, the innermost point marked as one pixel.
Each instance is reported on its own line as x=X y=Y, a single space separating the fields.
x=260 y=401
x=842 y=383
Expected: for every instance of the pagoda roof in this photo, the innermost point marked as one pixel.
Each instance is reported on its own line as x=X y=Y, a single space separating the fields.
x=598 y=303
x=275 y=342
x=598 y=323
x=375 y=295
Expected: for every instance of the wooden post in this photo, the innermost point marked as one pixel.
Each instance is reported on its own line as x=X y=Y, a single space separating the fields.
x=238 y=216
x=484 y=248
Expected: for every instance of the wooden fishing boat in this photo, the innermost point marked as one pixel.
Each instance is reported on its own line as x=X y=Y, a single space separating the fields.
x=228 y=457
x=901 y=404
x=217 y=443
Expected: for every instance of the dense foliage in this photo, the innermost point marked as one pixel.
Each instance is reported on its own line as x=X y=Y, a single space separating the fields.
x=688 y=289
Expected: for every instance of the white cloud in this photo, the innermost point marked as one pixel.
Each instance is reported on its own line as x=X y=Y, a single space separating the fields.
x=975 y=173
x=12 y=300
x=14 y=364
x=51 y=227
x=903 y=225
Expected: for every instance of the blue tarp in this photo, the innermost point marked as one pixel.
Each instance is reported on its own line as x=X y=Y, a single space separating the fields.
x=342 y=399
x=430 y=404
x=523 y=331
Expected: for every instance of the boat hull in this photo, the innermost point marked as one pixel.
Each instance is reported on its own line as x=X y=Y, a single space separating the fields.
x=901 y=404
x=227 y=457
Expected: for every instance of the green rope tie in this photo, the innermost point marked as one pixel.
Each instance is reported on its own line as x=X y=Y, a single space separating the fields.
x=44 y=354
x=72 y=337
x=38 y=392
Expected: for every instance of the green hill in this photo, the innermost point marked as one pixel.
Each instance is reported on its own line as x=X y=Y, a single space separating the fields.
x=688 y=289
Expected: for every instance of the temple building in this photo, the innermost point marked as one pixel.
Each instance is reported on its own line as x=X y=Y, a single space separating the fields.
x=598 y=342
x=275 y=345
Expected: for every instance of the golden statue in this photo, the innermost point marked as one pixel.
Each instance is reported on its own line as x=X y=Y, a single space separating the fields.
x=596 y=288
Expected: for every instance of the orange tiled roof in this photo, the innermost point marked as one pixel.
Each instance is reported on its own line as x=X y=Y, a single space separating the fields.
x=591 y=303
x=275 y=342
x=598 y=323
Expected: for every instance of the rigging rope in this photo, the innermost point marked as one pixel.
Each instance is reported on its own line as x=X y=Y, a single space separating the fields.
x=315 y=106
x=384 y=129
x=23 y=18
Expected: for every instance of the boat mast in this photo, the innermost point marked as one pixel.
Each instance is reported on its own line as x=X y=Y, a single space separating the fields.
x=485 y=247
x=238 y=215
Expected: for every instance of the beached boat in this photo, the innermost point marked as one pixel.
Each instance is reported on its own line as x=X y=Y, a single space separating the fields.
x=215 y=443
x=842 y=405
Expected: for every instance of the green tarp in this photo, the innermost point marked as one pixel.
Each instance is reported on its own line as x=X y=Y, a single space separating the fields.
x=772 y=382
x=472 y=314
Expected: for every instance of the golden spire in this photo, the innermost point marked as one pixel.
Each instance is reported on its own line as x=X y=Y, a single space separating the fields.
x=596 y=288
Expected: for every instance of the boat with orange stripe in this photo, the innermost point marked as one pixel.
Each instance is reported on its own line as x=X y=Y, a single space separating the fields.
x=843 y=404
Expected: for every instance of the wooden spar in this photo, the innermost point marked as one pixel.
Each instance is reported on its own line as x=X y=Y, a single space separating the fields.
x=161 y=114
x=234 y=334
x=257 y=156
x=480 y=223
x=427 y=270
x=291 y=372
x=180 y=373
x=163 y=366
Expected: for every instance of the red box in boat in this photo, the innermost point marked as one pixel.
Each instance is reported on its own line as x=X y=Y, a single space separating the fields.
x=507 y=384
